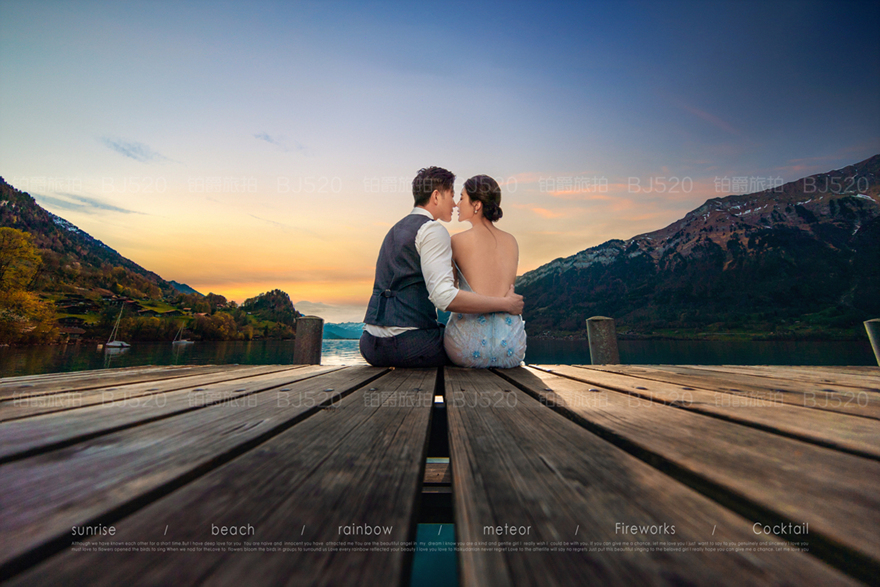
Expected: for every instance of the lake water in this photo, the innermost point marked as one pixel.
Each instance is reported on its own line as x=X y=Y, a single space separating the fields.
x=53 y=359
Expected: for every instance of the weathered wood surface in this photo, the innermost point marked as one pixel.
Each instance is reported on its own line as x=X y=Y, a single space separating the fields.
x=800 y=390
x=438 y=474
x=40 y=433
x=526 y=466
x=108 y=372
x=32 y=385
x=31 y=405
x=359 y=463
x=861 y=377
x=860 y=436
x=752 y=471
x=113 y=471
x=299 y=453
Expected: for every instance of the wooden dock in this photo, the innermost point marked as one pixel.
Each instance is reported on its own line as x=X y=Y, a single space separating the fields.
x=556 y=475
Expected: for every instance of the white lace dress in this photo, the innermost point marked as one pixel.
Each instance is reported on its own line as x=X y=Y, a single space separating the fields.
x=496 y=339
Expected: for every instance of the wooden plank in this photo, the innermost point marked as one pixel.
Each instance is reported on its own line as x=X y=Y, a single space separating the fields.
x=109 y=370
x=860 y=436
x=857 y=371
x=814 y=395
x=438 y=474
x=810 y=379
x=81 y=380
x=29 y=436
x=794 y=481
x=517 y=463
x=42 y=497
x=357 y=465
x=842 y=376
x=96 y=379
x=23 y=407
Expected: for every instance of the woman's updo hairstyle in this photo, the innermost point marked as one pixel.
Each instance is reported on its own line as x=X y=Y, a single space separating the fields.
x=484 y=189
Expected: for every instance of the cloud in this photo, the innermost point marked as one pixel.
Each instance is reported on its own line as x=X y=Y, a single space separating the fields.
x=803 y=167
x=542 y=212
x=82 y=204
x=526 y=178
x=710 y=118
x=288 y=227
x=587 y=196
x=542 y=179
x=272 y=141
x=132 y=150
x=282 y=143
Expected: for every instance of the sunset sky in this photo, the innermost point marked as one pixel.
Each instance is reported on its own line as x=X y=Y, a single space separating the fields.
x=245 y=146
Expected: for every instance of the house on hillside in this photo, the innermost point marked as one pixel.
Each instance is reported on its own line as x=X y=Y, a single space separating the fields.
x=71 y=322
x=69 y=333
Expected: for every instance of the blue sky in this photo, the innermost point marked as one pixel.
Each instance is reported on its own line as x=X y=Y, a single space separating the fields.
x=239 y=147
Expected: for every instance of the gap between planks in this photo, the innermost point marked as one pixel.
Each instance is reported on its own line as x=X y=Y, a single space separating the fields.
x=858 y=436
x=754 y=473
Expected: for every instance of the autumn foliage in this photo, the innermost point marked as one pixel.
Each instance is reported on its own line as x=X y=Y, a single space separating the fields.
x=24 y=317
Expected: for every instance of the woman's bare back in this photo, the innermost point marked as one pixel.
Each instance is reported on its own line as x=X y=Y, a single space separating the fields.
x=488 y=258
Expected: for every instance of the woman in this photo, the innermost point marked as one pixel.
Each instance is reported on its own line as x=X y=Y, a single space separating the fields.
x=485 y=260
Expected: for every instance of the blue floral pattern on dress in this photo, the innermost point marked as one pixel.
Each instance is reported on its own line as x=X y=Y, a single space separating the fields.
x=491 y=339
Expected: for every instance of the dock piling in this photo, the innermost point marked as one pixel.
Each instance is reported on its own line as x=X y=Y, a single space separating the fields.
x=603 y=341
x=309 y=336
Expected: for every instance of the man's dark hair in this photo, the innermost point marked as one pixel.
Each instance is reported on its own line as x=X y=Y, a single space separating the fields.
x=429 y=179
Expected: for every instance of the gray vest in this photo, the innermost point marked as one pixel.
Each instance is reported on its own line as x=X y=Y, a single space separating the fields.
x=400 y=296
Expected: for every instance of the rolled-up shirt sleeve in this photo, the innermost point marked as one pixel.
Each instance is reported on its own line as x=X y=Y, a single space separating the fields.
x=434 y=246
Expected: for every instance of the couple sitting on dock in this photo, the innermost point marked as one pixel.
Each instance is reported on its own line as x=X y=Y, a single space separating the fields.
x=421 y=269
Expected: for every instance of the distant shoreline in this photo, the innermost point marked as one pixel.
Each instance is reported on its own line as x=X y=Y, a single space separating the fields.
x=720 y=336
x=629 y=336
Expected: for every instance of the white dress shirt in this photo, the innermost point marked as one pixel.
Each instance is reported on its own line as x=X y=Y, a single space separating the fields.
x=435 y=253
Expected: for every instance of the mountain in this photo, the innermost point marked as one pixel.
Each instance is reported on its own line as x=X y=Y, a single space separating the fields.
x=82 y=283
x=344 y=330
x=71 y=257
x=804 y=256
x=273 y=305
x=184 y=288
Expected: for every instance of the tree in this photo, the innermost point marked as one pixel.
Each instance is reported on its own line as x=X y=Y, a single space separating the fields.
x=19 y=259
x=274 y=305
x=215 y=301
x=23 y=316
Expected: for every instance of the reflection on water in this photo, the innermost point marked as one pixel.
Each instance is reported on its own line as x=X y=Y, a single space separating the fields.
x=62 y=358
x=54 y=359
x=341 y=352
x=111 y=353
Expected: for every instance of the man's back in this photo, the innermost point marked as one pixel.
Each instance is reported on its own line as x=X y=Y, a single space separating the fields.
x=400 y=296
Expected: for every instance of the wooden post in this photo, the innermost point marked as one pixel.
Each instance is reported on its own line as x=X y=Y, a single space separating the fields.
x=603 y=341
x=873 y=328
x=309 y=336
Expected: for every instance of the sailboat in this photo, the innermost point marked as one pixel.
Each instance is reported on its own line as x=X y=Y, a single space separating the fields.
x=178 y=339
x=112 y=343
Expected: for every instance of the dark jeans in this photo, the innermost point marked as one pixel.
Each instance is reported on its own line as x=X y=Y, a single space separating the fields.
x=414 y=348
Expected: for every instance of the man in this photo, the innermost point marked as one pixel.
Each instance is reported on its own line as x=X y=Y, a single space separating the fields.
x=414 y=276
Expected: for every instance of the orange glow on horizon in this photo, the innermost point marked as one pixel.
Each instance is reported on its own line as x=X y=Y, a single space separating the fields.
x=353 y=293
